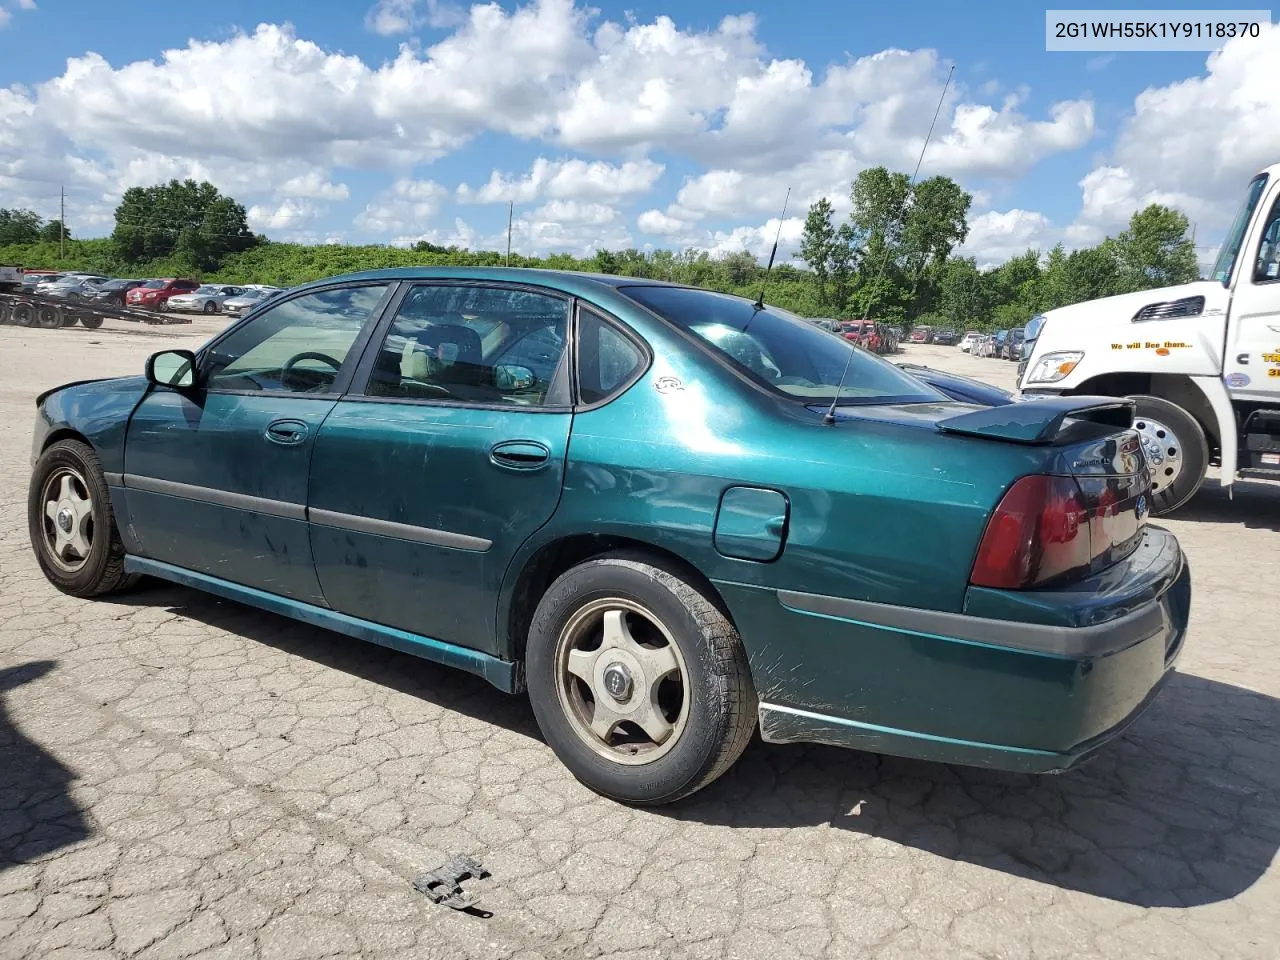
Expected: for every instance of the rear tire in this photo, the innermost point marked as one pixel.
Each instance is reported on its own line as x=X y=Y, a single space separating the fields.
x=1177 y=452
x=93 y=323
x=48 y=317
x=68 y=490
x=684 y=674
x=22 y=315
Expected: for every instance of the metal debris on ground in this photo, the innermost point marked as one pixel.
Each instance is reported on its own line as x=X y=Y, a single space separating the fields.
x=442 y=885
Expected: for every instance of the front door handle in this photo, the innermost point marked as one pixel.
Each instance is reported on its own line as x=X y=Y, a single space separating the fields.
x=520 y=454
x=286 y=432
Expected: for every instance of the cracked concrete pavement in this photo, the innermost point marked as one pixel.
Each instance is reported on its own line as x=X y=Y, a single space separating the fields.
x=183 y=777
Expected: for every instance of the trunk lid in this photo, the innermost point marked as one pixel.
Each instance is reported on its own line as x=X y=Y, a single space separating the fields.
x=1102 y=507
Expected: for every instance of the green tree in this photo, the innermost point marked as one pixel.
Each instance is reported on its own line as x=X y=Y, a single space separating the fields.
x=184 y=219
x=829 y=252
x=936 y=222
x=962 y=294
x=19 y=226
x=54 y=231
x=1155 y=251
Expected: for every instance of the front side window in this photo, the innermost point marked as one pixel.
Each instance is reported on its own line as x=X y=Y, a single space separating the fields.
x=1225 y=264
x=780 y=351
x=475 y=345
x=299 y=346
x=1267 y=267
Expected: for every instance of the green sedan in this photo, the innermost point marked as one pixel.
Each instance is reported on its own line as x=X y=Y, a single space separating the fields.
x=672 y=517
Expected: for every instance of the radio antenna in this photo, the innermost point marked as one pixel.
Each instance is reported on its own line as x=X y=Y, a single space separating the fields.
x=830 y=416
x=773 y=253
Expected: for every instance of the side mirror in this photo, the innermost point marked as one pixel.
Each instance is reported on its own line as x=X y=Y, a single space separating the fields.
x=172 y=368
x=510 y=376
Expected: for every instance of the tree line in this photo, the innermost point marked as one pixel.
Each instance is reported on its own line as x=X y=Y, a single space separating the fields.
x=892 y=258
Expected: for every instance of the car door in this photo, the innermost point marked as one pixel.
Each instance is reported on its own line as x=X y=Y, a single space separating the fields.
x=445 y=456
x=216 y=475
x=1252 y=363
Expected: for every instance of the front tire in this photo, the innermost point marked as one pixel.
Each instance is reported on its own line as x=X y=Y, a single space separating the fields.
x=71 y=524
x=1176 y=449
x=638 y=681
x=210 y=307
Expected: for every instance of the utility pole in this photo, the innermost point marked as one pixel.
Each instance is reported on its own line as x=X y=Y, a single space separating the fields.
x=511 y=208
x=62 y=225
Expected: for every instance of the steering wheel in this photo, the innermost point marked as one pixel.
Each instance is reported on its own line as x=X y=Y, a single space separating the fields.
x=297 y=358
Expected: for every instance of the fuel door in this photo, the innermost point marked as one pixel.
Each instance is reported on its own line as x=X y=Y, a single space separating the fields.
x=751 y=523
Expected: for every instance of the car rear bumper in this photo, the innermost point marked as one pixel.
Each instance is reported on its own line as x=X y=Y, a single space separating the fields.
x=1033 y=682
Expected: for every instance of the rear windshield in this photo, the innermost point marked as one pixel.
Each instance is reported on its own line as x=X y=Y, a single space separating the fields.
x=780 y=351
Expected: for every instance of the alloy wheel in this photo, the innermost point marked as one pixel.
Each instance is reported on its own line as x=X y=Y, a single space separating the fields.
x=68 y=519
x=622 y=681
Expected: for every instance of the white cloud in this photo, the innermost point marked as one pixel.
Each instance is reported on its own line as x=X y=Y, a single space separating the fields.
x=292 y=215
x=996 y=236
x=758 y=240
x=313 y=184
x=566 y=180
x=462 y=235
x=389 y=17
x=1193 y=144
x=575 y=212
x=403 y=209
x=659 y=224
x=268 y=116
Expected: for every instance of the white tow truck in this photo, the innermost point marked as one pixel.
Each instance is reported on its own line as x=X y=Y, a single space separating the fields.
x=1201 y=360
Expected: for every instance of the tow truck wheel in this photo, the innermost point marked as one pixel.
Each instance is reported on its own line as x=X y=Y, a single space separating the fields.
x=1176 y=450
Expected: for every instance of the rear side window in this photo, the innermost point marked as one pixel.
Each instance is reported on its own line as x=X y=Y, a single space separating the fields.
x=607 y=359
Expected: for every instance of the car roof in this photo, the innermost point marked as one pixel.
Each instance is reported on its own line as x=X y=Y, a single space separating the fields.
x=568 y=281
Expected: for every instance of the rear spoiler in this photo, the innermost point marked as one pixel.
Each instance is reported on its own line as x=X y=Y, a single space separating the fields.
x=1038 y=421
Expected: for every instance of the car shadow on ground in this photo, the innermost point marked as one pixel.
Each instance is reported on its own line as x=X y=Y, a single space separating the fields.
x=1252 y=505
x=1183 y=810
x=37 y=812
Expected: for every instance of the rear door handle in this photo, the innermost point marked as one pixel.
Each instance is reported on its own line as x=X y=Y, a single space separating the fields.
x=520 y=454
x=287 y=432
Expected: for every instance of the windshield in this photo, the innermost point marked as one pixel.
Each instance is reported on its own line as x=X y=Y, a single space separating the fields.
x=1225 y=263
x=208 y=288
x=780 y=351
x=155 y=284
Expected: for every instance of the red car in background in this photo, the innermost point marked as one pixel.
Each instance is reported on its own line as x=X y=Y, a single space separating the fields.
x=155 y=294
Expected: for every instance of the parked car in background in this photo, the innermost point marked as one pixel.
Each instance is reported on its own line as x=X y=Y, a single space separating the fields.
x=921 y=334
x=31 y=279
x=113 y=292
x=250 y=299
x=208 y=298
x=945 y=337
x=1012 y=349
x=853 y=330
x=997 y=343
x=75 y=286
x=711 y=502
x=155 y=294
x=963 y=389
x=968 y=340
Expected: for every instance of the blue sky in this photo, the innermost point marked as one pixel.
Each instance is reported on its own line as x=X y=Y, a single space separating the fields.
x=640 y=124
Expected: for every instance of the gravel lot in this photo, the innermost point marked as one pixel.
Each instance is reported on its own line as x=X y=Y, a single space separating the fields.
x=180 y=776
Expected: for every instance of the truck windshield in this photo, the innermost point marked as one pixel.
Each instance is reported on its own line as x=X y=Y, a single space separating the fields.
x=1222 y=269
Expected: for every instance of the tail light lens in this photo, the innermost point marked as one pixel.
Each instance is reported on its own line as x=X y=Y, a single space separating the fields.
x=1048 y=527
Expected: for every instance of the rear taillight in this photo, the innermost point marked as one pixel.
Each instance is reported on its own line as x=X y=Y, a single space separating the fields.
x=1047 y=527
